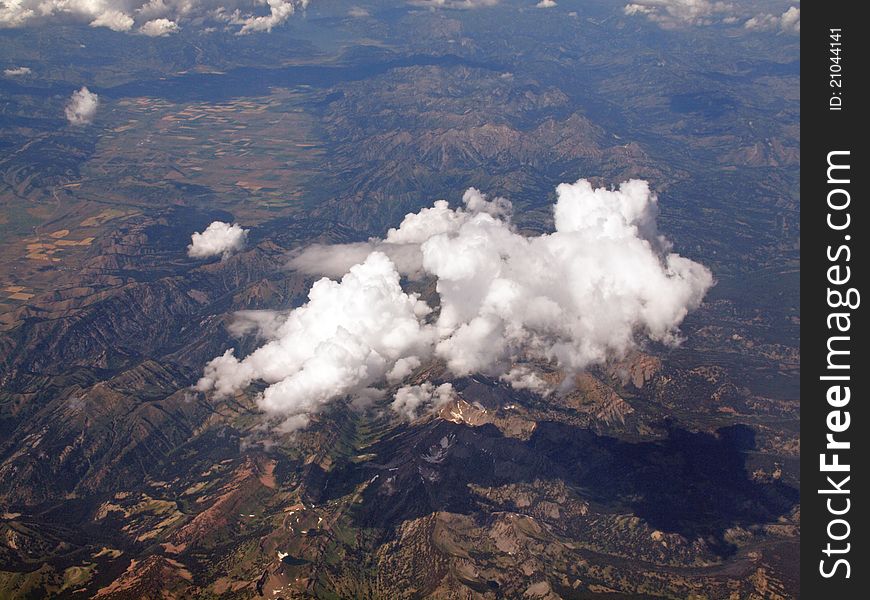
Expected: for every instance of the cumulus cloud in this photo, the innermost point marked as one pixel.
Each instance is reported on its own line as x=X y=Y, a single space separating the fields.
x=410 y=400
x=672 y=13
x=403 y=367
x=82 y=107
x=788 y=22
x=17 y=71
x=158 y=28
x=348 y=335
x=576 y=296
x=114 y=20
x=219 y=238
x=151 y=17
x=279 y=12
x=546 y=4
x=522 y=377
x=583 y=294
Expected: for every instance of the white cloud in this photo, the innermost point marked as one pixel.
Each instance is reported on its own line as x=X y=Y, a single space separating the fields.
x=762 y=22
x=152 y=17
x=14 y=13
x=638 y=9
x=279 y=12
x=522 y=377
x=17 y=71
x=403 y=368
x=82 y=107
x=788 y=22
x=675 y=13
x=347 y=336
x=575 y=296
x=114 y=20
x=219 y=238
x=672 y=13
x=546 y=4
x=581 y=295
x=410 y=399
x=158 y=28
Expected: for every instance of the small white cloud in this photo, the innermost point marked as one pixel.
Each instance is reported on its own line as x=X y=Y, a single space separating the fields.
x=219 y=238
x=673 y=13
x=788 y=22
x=522 y=377
x=82 y=107
x=546 y=4
x=762 y=22
x=17 y=71
x=114 y=20
x=358 y=12
x=159 y=28
x=410 y=400
x=637 y=9
x=245 y=16
x=279 y=12
x=403 y=368
x=15 y=13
